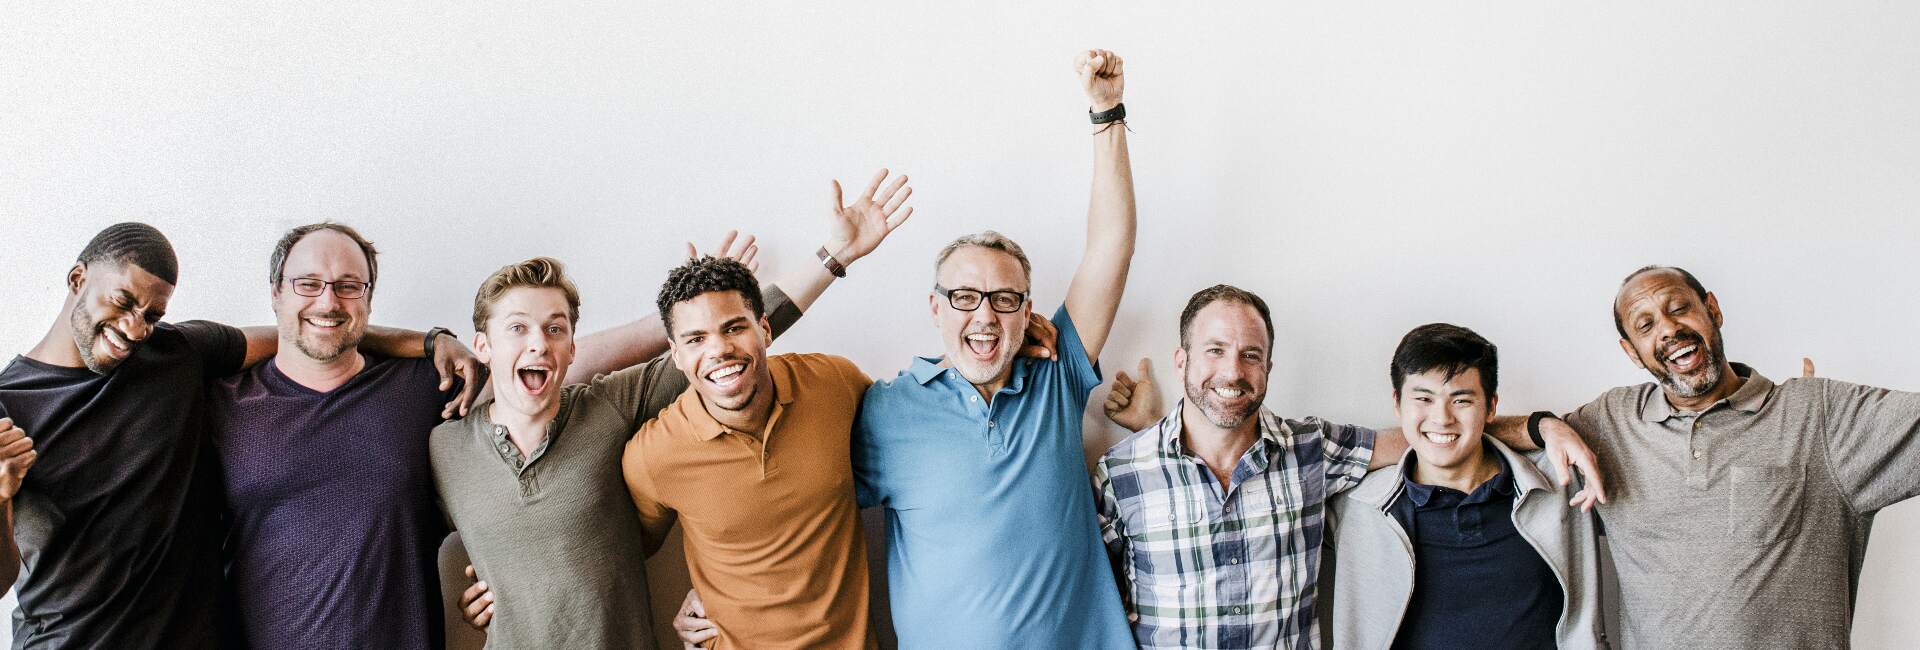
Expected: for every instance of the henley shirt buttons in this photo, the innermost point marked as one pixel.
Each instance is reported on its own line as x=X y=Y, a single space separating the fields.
x=1696 y=454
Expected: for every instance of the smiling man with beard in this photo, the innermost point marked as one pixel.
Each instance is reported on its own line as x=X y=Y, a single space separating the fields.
x=1213 y=518
x=118 y=522
x=1741 y=507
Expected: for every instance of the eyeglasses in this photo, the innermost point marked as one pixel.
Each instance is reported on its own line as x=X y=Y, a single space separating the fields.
x=1005 y=302
x=342 y=289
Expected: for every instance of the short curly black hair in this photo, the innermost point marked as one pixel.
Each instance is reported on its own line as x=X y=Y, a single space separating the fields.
x=705 y=275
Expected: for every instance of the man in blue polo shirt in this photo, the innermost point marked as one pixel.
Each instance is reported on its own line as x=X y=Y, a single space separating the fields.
x=977 y=457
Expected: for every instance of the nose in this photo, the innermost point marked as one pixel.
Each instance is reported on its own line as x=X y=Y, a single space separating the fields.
x=1443 y=416
x=135 y=327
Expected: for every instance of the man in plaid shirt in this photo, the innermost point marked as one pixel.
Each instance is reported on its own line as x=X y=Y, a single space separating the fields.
x=1212 y=518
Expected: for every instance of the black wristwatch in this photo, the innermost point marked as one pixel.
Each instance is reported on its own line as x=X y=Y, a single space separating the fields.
x=1115 y=114
x=1533 y=427
x=434 y=334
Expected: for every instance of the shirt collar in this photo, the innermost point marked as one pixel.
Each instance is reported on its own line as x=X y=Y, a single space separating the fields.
x=1748 y=399
x=1171 y=426
x=925 y=369
x=709 y=429
x=1421 y=493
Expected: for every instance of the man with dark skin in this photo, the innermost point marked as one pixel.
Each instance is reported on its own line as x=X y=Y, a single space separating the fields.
x=1740 y=508
x=112 y=505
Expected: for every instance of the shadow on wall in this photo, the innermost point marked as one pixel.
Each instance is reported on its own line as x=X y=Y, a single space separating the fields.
x=667 y=583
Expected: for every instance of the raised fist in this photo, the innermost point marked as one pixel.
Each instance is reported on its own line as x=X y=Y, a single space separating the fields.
x=1103 y=76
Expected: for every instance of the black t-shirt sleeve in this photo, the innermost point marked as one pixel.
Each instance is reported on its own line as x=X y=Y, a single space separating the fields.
x=221 y=348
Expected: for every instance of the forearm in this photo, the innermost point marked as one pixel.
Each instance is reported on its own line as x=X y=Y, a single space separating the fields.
x=809 y=279
x=1389 y=445
x=1094 y=295
x=612 y=349
x=262 y=343
x=1512 y=430
x=394 y=342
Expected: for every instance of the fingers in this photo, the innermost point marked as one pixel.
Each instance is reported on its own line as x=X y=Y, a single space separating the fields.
x=20 y=446
x=1590 y=472
x=473 y=376
x=1560 y=475
x=838 y=202
x=1806 y=367
x=873 y=186
x=1123 y=384
x=750 y=258
x=895 y=223
x=10 y=433
x=476 y=603
x=725 y=243
x=1146 y=369
x=894 y=201
x=692 y=253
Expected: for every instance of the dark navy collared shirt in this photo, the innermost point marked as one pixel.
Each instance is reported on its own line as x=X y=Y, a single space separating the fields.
x=1476 y=582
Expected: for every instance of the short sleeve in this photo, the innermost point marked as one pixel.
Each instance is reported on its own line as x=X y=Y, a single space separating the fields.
x=656 y=519
x=1873 y=442
x=780 y=310
x=868 y=484
x=1082 y=371
x=640 y=392
x=221 y=348
x=1348 y=449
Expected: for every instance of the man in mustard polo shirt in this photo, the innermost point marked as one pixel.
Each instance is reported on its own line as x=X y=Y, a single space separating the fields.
x=753 y=461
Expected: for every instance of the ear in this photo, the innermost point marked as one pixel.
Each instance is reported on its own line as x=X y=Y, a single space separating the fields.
x=1180 y=361
x=76 y=278
x=933 y=306
x=1627 y=347
x=1713 y=309
x=1493 y=407
x=482 y=349
x=766 y=331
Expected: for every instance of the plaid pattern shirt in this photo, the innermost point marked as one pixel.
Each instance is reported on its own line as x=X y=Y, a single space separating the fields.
x=1203 y=567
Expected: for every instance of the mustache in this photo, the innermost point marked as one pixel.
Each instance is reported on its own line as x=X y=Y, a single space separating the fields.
x=1240 y=385
x=709 y=366
x=1681 y=340
x=329 y=315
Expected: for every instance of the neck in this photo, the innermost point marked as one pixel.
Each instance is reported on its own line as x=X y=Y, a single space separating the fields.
x=751 y=420
x=527 y=430
x=1464 y=477
x=1218 y=447
x=57 y=347
x=991 y=388
x=319 y=375
x=1730 y=382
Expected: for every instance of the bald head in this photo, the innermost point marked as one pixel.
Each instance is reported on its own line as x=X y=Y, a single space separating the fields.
x=1640 y=282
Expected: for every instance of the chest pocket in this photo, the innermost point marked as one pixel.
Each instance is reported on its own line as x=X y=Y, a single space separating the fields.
x=1766 y=503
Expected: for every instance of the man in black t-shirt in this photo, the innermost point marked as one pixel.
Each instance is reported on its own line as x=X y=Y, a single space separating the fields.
x=116 y=522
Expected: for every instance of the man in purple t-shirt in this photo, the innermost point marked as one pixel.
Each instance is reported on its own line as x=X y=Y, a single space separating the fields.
x=115 y=525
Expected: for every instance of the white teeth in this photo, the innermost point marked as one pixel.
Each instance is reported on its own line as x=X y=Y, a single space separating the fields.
x=325 y=323
x=983 y=337
x=727 y=371
x=1229 y=393
x=1441 y=438
x=1676 y=354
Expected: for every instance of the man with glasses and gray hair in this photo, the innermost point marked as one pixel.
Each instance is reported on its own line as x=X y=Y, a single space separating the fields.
x=976 y=456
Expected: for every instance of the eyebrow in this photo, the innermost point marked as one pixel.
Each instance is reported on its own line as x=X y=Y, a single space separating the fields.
x=155 y=314
x=735 y=321
x=969 y=288
x=1464 y=391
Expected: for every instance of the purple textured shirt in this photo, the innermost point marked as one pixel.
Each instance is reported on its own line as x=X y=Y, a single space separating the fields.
x=335 y=528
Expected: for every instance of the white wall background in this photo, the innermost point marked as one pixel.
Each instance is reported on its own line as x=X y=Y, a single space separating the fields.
x=1367 y=167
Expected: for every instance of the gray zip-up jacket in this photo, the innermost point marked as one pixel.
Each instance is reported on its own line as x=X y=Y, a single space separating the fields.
x=1366 y=571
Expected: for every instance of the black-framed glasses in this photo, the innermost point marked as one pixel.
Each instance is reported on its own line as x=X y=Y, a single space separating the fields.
x=1005 y=302
x=342 y=289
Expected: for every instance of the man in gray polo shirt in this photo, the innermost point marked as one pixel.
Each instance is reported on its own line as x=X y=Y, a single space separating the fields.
x=1739 y=508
